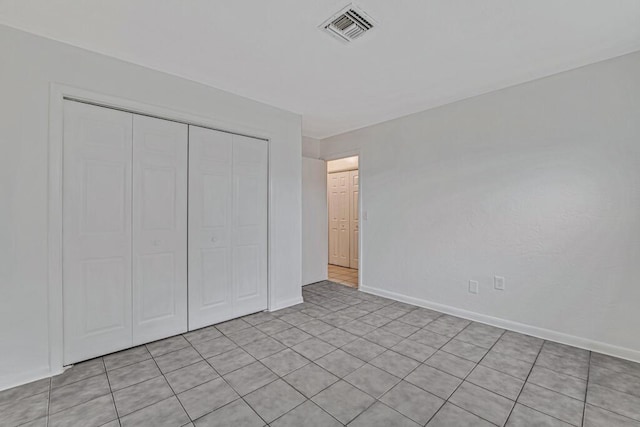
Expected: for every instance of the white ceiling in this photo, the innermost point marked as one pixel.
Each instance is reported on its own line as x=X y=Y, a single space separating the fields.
x=425 y=53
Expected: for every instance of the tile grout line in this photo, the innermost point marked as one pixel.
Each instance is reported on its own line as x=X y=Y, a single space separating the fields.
x=310 y=362
x=636 y=376
x=555 y=391
x=563 y=373
x=447 y=400
x=549 y=369
x=626 y=417
x=145 y=406
x=525 y=381
x=309 y=399
x=419 y=365
x=544 y=413
x=520 y=379
x=586 y=391
x=390 y=349
x=15 y=400
x=113 y=397
x=226 y=382
x=332 y=294
x=165 y=379
x=110 y=393
x=203 y=359
x=440 y=348
x=314 y=362
x=49 y=403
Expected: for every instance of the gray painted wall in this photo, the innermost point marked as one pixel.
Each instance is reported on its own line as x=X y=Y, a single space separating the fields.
x=539 y=183
x=29 y=65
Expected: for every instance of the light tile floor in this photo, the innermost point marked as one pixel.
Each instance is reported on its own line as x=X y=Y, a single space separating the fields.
x=343 y=275
x=341 y=357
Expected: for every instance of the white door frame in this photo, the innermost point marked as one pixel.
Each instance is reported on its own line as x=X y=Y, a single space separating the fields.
x=361 y=221
x=57 y=93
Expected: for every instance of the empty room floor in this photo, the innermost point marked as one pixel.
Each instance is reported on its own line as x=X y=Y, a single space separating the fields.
x=344 y=275
x=341 y=357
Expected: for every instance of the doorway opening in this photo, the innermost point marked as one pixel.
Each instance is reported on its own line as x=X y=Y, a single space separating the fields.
x=344 y=225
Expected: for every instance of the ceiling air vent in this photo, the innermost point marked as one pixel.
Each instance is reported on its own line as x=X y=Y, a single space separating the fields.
x=348 y=24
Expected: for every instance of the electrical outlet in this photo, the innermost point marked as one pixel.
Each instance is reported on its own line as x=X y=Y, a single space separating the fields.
x=473 y=286
x=498 y=283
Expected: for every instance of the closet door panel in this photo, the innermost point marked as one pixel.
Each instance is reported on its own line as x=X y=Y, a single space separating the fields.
x=210 y=216
x=96 y=231
x=250 y=198
x=159 y=228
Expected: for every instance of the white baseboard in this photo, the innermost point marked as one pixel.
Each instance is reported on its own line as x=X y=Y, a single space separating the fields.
x=315 y=280
x=547 y=334
x=10 y=381
x=16 y=380
x=286 y=303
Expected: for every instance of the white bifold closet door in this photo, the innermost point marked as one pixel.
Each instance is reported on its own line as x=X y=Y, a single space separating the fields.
x=159 y=228
x=124 y=230
x=227 y=226
x=96 y=231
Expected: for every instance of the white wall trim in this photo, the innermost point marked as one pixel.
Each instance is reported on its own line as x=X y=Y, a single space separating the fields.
x=315 y=252
x=286 y=303
x=54 y=235
x=57 y=94
x=342 y=155
x=546 y=334
x=361 y=221
x=361 y=189
x=19 y=379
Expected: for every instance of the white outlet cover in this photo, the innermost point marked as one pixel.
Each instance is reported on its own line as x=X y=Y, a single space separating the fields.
x=498 y=283
x=473 y=286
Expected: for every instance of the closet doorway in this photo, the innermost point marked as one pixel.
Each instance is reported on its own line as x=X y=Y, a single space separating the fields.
x=164 y=228
x=343 y=206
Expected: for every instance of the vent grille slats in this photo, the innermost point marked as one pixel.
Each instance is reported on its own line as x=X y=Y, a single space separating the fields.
x=353 y=15
x=348 y=24
x=342 y=23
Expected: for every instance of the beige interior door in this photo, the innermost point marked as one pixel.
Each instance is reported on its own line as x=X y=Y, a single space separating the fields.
x=339 y=218
x=354 y=227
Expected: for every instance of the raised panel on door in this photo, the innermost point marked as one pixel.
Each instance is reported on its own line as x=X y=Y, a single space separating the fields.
x=159 y=228
x=210 y=216
x=334 y=225
x=339 y=222
x=355 y=225
x=250 y=199
x=344 y=220
x=96 y=231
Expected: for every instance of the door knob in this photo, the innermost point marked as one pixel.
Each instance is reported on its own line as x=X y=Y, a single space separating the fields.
x=156 y=242
x=214 y=239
